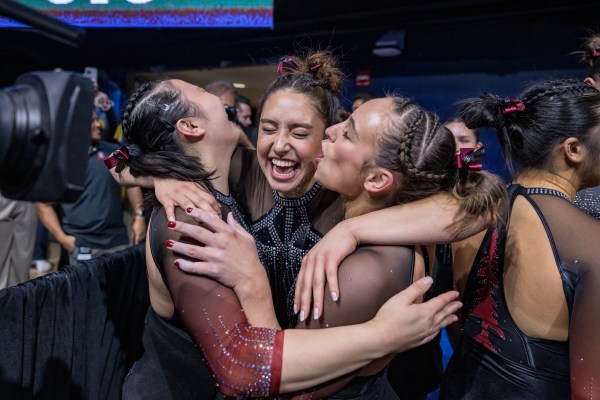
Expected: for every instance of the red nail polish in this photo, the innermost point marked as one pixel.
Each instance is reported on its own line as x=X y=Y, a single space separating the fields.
x=169 y=243
x=171 y=224
x=189 y=210
x=176 y=264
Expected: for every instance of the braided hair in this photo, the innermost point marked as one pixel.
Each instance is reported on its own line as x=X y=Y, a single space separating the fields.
x=149 y=121
x=552 y=112
x=415 y=144
x=316 y=75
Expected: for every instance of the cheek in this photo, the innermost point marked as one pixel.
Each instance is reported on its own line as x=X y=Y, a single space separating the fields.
x=263 y=144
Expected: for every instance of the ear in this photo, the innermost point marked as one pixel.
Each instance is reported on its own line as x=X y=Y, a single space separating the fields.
x=190 y=128
x=379 y=180
x=573 y=150
x=590 y=82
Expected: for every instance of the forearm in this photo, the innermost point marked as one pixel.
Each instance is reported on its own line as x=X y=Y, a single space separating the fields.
x=135 y=198
x=50 y=220
x=312 y=357
x=405 y=223
x=257 y=301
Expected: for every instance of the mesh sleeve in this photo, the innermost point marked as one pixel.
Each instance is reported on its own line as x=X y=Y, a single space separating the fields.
x=367 y=279
x=245 y=360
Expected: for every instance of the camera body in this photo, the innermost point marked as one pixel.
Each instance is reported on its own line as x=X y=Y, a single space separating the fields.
x=45 y=123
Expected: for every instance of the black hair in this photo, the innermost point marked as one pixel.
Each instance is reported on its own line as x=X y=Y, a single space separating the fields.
x=553 y=111
x=149 y=123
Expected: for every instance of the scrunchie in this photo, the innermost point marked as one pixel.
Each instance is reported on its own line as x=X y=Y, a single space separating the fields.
x=469 y=158
x=119 y=158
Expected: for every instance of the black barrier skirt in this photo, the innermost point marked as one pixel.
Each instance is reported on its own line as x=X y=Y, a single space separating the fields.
x=75 y=333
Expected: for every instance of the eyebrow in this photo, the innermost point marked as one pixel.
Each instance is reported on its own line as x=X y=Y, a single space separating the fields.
x=294 y=125
x=353 y=126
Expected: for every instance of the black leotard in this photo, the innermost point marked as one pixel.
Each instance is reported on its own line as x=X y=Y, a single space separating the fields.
x=495 y=359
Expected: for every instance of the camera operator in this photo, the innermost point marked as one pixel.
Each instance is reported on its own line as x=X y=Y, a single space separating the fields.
x=93 y=225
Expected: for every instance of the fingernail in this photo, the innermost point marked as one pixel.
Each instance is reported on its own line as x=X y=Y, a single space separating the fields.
x=427 y=280
x=334 y=296
x=316 y=313
x=171 y=224
x=169 y=243
x=295 y=309
x=176 y=264
x=301 y=316
x=171 y=218
x=189 y=210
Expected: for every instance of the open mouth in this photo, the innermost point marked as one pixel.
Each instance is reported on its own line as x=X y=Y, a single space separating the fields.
x=283 y=169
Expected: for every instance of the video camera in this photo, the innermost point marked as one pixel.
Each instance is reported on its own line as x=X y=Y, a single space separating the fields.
x=45 y=120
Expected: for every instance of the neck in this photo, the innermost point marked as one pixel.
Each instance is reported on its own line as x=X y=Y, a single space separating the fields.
x=362 y=204
x=219 y=162
x=546 y=179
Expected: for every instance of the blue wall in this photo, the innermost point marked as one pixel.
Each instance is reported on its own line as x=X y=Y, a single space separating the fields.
x=438 y=93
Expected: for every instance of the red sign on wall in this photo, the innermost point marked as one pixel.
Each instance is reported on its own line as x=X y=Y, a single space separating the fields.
x=363 y=78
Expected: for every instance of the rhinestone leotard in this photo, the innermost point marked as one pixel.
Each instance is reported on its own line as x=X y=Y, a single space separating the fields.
x=494 y=355
x=284 y=229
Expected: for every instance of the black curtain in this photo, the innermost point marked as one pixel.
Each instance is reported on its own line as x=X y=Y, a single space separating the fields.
x=75 y=333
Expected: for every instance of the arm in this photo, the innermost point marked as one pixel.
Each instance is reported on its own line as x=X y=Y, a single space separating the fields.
x=310 y=357
x=424 y=221
x=170 y=192
x=584 y=348
x=138 y=225
x=49 y=219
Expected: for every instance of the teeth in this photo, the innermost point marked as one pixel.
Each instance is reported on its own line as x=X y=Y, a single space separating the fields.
x=282 y=163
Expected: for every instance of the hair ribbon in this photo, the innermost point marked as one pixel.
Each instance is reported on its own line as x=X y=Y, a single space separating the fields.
x=512 y=106
x=120 y=155
x=470 y=159
x=286 y=64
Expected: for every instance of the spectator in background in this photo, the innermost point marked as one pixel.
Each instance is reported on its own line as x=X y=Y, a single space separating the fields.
x=243 y=109
x=589 y=199
x=464 y=137
x=362 y=97
x=17 y=227
x=93 y=225
x=225 y=91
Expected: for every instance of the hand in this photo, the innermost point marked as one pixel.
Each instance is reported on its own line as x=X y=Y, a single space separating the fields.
x=138 y=230
x=229 y=253
x=171 y=193
x=68 y=243
x=404 y=323
x=320 y=265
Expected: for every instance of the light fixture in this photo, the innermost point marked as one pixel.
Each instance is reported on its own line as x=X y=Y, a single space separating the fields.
x=239 y=85
x=390 y=45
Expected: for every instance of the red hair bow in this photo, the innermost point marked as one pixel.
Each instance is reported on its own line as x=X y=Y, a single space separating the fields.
x=470 y=159
x=512 y=106
x=117 y=156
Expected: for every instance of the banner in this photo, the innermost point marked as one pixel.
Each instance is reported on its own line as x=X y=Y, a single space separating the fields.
x=155 y=13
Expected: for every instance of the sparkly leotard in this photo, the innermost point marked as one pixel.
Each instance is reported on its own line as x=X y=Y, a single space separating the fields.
x=496 y=359
x=284 y=229
x=589 y=201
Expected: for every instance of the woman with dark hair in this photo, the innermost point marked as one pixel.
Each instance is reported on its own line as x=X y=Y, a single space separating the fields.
x=589 y=199
x=530 y=284
x=171 y=126
x=390 y=151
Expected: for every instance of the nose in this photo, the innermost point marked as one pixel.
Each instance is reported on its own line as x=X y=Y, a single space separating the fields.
x=281 y=144
x=331 y=133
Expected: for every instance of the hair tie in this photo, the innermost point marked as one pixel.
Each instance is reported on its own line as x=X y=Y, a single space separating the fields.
x=162 y=106
x=512 y=106
x=119 y=156
x=470 y=159
x=596 y=52
x=314 y=67
x=286 y=65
